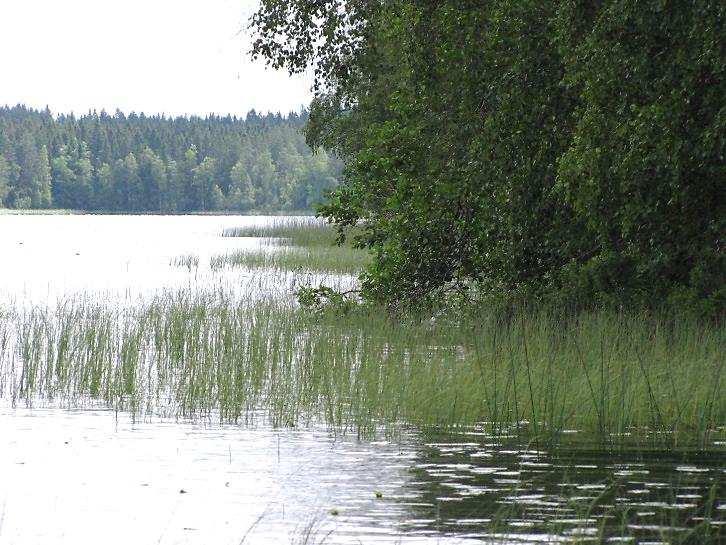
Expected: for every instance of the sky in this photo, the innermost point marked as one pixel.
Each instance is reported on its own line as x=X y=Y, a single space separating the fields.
x=178 y=57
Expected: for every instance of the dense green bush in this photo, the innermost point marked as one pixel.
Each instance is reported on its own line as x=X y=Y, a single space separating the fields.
x=571 y=149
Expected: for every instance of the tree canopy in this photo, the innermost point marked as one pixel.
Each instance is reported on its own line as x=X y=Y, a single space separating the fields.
x=571 y=150
x=135 y=163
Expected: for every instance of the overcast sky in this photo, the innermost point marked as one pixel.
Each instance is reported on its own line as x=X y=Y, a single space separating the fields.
x=172 y=56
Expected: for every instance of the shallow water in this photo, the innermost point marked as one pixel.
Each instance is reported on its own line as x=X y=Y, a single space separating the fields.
x=123 y=258
x=639 y=495
x=94 y=476
x=87 y=477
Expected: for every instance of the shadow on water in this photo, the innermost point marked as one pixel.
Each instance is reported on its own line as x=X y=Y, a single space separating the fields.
x=501 y=491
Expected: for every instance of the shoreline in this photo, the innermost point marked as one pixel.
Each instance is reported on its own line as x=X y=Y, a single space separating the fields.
x=69 y=212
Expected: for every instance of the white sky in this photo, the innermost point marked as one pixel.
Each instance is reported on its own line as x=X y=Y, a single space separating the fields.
x=153 y=56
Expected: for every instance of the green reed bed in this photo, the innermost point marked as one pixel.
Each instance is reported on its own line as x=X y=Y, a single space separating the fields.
x=297 y=244
x=334 y=259
x=189 y=261
x=614 y=376
x=303 y=231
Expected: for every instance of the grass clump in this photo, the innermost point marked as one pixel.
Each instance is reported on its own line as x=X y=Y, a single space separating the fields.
x=189 y=261
x=301 y=244
x=305 y=231
x=335 y=259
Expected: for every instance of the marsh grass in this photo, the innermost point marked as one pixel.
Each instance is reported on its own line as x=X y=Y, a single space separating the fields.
x=621 y=379
x=616 y=377
x=305 y=231
x=296 y=244
x=189 y=261
x=334 y=259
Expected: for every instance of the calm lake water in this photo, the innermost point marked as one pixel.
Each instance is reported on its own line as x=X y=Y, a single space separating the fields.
x=125 y=258
x=70 y=476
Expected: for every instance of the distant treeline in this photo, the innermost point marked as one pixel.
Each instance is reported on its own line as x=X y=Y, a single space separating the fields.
x=135 y=163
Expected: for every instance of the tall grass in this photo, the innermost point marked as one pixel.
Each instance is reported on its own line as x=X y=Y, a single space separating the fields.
x=335 y=259
x=189 y=261
x=613 y=376
x=303 y=244
x=306 y=231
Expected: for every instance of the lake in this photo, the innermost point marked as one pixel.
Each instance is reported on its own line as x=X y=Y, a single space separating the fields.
x=75 y=473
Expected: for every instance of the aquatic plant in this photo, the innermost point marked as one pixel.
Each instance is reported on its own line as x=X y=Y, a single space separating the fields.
x=617 y=377
x=296 y=231
x=189 y=261
x=334 y=259
x=298 y=244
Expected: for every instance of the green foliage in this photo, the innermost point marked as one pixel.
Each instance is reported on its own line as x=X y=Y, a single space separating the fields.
x=31 y=188
x=326 y=299
x=4 y=180
x=154 y=164
x=570 y=150
x=645 y=166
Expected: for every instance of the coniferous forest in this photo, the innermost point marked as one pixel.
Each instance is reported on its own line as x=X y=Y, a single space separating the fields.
x=136 y=163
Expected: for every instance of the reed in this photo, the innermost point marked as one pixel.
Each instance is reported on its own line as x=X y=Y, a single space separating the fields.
x=334 y=259
x=303 y=231
x=616 y=377
x=190 y=262
x=296 y=244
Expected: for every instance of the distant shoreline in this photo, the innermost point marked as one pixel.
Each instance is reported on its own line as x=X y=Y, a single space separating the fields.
x=67 y=212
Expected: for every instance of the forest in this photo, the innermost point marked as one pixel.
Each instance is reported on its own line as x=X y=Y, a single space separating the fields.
x=569 y=151
x=134 y=163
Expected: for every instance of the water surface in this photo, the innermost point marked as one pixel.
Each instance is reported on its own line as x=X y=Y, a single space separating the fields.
x=71 y=476
x=124 y=258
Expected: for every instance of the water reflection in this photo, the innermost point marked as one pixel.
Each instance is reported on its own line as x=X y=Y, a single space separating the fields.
x=77 y=477
x=68 y=476
x=499 y=490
